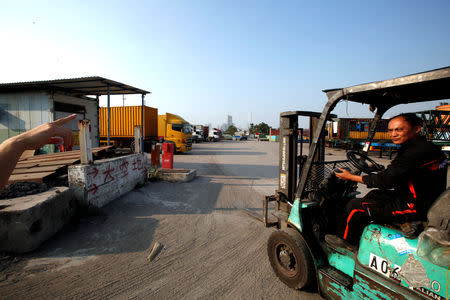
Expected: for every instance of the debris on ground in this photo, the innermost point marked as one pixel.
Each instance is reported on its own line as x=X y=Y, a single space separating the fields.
x=157 y=247
x=20 y=189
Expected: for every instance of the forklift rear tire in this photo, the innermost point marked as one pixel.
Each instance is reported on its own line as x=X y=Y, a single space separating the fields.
x=290 y=258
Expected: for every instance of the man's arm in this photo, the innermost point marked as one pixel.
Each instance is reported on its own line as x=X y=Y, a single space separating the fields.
x=48 y=133
x=346 y=175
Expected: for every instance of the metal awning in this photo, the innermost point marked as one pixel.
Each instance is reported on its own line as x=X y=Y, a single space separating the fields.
x=83 y=86
x=425 y=86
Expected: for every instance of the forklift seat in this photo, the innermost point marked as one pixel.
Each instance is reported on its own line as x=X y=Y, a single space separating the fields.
x=434 y=242
x=438 y=218
x=439 y=213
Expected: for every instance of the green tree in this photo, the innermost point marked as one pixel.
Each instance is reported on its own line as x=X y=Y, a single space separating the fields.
x=252 y=129
x=263 y=128
x=231 y=130
x=260 y=128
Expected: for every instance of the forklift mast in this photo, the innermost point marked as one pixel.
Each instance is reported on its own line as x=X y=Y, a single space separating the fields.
x=291 y=161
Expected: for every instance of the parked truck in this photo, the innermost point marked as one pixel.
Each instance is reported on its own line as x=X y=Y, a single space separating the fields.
x=123 y=119
x=214 y=135
x=173 y=128
x=205 y=133
x=197 y=133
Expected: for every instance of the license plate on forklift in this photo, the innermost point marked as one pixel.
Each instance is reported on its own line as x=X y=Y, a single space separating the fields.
x=383 y=266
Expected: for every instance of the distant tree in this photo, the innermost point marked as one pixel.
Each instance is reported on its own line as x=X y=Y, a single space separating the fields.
x=262 y=128
x=231 y=130
x=252 y=129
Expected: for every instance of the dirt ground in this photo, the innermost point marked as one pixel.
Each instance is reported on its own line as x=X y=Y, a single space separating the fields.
x=211 y=249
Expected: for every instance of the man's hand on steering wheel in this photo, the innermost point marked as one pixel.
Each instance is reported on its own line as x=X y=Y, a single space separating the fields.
x=362 y=166
x=344 y=174
x=359 y=160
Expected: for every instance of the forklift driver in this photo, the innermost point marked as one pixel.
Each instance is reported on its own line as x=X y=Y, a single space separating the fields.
x=405 y=189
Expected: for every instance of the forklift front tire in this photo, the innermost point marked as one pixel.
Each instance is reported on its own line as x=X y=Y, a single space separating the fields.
x=290 y=258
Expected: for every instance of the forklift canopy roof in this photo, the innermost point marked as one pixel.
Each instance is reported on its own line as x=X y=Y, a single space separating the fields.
x=425 y=86
x=382 y=95
x=83 y=86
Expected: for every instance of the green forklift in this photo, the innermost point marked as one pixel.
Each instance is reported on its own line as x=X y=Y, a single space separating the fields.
x=392 y=261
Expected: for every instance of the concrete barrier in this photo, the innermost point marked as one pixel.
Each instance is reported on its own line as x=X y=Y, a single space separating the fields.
x=178 y=175
x=97 y=184
x=26 y=222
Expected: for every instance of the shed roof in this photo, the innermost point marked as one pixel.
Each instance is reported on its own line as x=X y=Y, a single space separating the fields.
x=82 y=86
x=424 y=86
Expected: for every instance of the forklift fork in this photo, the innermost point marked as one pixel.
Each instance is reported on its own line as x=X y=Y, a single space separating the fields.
x=266 y=221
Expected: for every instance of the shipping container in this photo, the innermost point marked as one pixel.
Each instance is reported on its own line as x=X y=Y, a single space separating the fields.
x=356 y=128
x=123 y=119
x=274 y=131
x=362 y=135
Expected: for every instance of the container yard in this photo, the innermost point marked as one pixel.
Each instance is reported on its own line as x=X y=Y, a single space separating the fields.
x=225 y=150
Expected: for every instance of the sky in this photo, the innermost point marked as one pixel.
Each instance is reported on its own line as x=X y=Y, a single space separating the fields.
x=207 y=59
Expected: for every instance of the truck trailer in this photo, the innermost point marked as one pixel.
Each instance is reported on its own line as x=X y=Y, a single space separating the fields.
x=123 y=119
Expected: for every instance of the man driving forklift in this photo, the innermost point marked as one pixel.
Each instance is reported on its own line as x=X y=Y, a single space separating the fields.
x=405 y=189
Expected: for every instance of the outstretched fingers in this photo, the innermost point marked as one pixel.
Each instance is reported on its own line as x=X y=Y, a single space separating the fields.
x=64 y=120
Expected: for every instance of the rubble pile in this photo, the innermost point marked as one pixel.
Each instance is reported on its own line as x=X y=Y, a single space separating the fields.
x=20 y=189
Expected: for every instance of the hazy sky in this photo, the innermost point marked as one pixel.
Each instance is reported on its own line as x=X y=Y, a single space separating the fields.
x=208 y=59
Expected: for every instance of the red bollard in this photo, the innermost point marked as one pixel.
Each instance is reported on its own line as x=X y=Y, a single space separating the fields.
x=167 y=157
x=155 y=155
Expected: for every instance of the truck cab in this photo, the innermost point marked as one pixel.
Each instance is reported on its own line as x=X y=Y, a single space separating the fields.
x=173 y=128
x=197 y=133
x=214 y=135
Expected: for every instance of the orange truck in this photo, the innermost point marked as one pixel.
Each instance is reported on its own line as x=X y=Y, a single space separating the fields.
x=123 y=119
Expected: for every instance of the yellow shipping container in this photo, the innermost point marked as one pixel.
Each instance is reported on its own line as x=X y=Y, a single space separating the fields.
x=124 y=118
x=362 y=135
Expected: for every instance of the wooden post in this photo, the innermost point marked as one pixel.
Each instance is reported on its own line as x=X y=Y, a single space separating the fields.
x=85 y=141
x=137 y=139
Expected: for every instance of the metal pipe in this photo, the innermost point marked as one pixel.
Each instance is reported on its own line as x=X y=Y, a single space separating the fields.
x=301 y=145
x=142 y=124
x=97 y=132
x=109 y=96
x=333 y=99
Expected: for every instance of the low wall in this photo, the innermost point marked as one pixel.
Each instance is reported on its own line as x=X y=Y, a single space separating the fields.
x=26 y=222
x=97 y=184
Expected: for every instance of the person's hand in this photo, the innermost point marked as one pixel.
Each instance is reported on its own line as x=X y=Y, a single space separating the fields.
x=344 y=174
x=48 y=133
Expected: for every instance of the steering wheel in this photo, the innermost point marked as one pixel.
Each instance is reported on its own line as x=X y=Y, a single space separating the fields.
x=359 y=160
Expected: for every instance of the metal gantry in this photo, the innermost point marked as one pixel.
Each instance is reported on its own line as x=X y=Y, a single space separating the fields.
x=436 y=125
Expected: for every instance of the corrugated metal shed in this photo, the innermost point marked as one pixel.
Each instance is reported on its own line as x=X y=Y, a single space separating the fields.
x=77 y=88
x=82 y=86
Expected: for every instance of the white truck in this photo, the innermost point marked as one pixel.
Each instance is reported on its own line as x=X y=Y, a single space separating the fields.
x=214 y=135
x=197 y=133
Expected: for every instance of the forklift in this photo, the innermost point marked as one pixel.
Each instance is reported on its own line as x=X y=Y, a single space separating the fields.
x=392 y=261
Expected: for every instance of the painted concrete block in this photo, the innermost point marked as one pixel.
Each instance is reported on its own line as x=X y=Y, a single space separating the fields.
x=26 y=222
x=97 y=184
